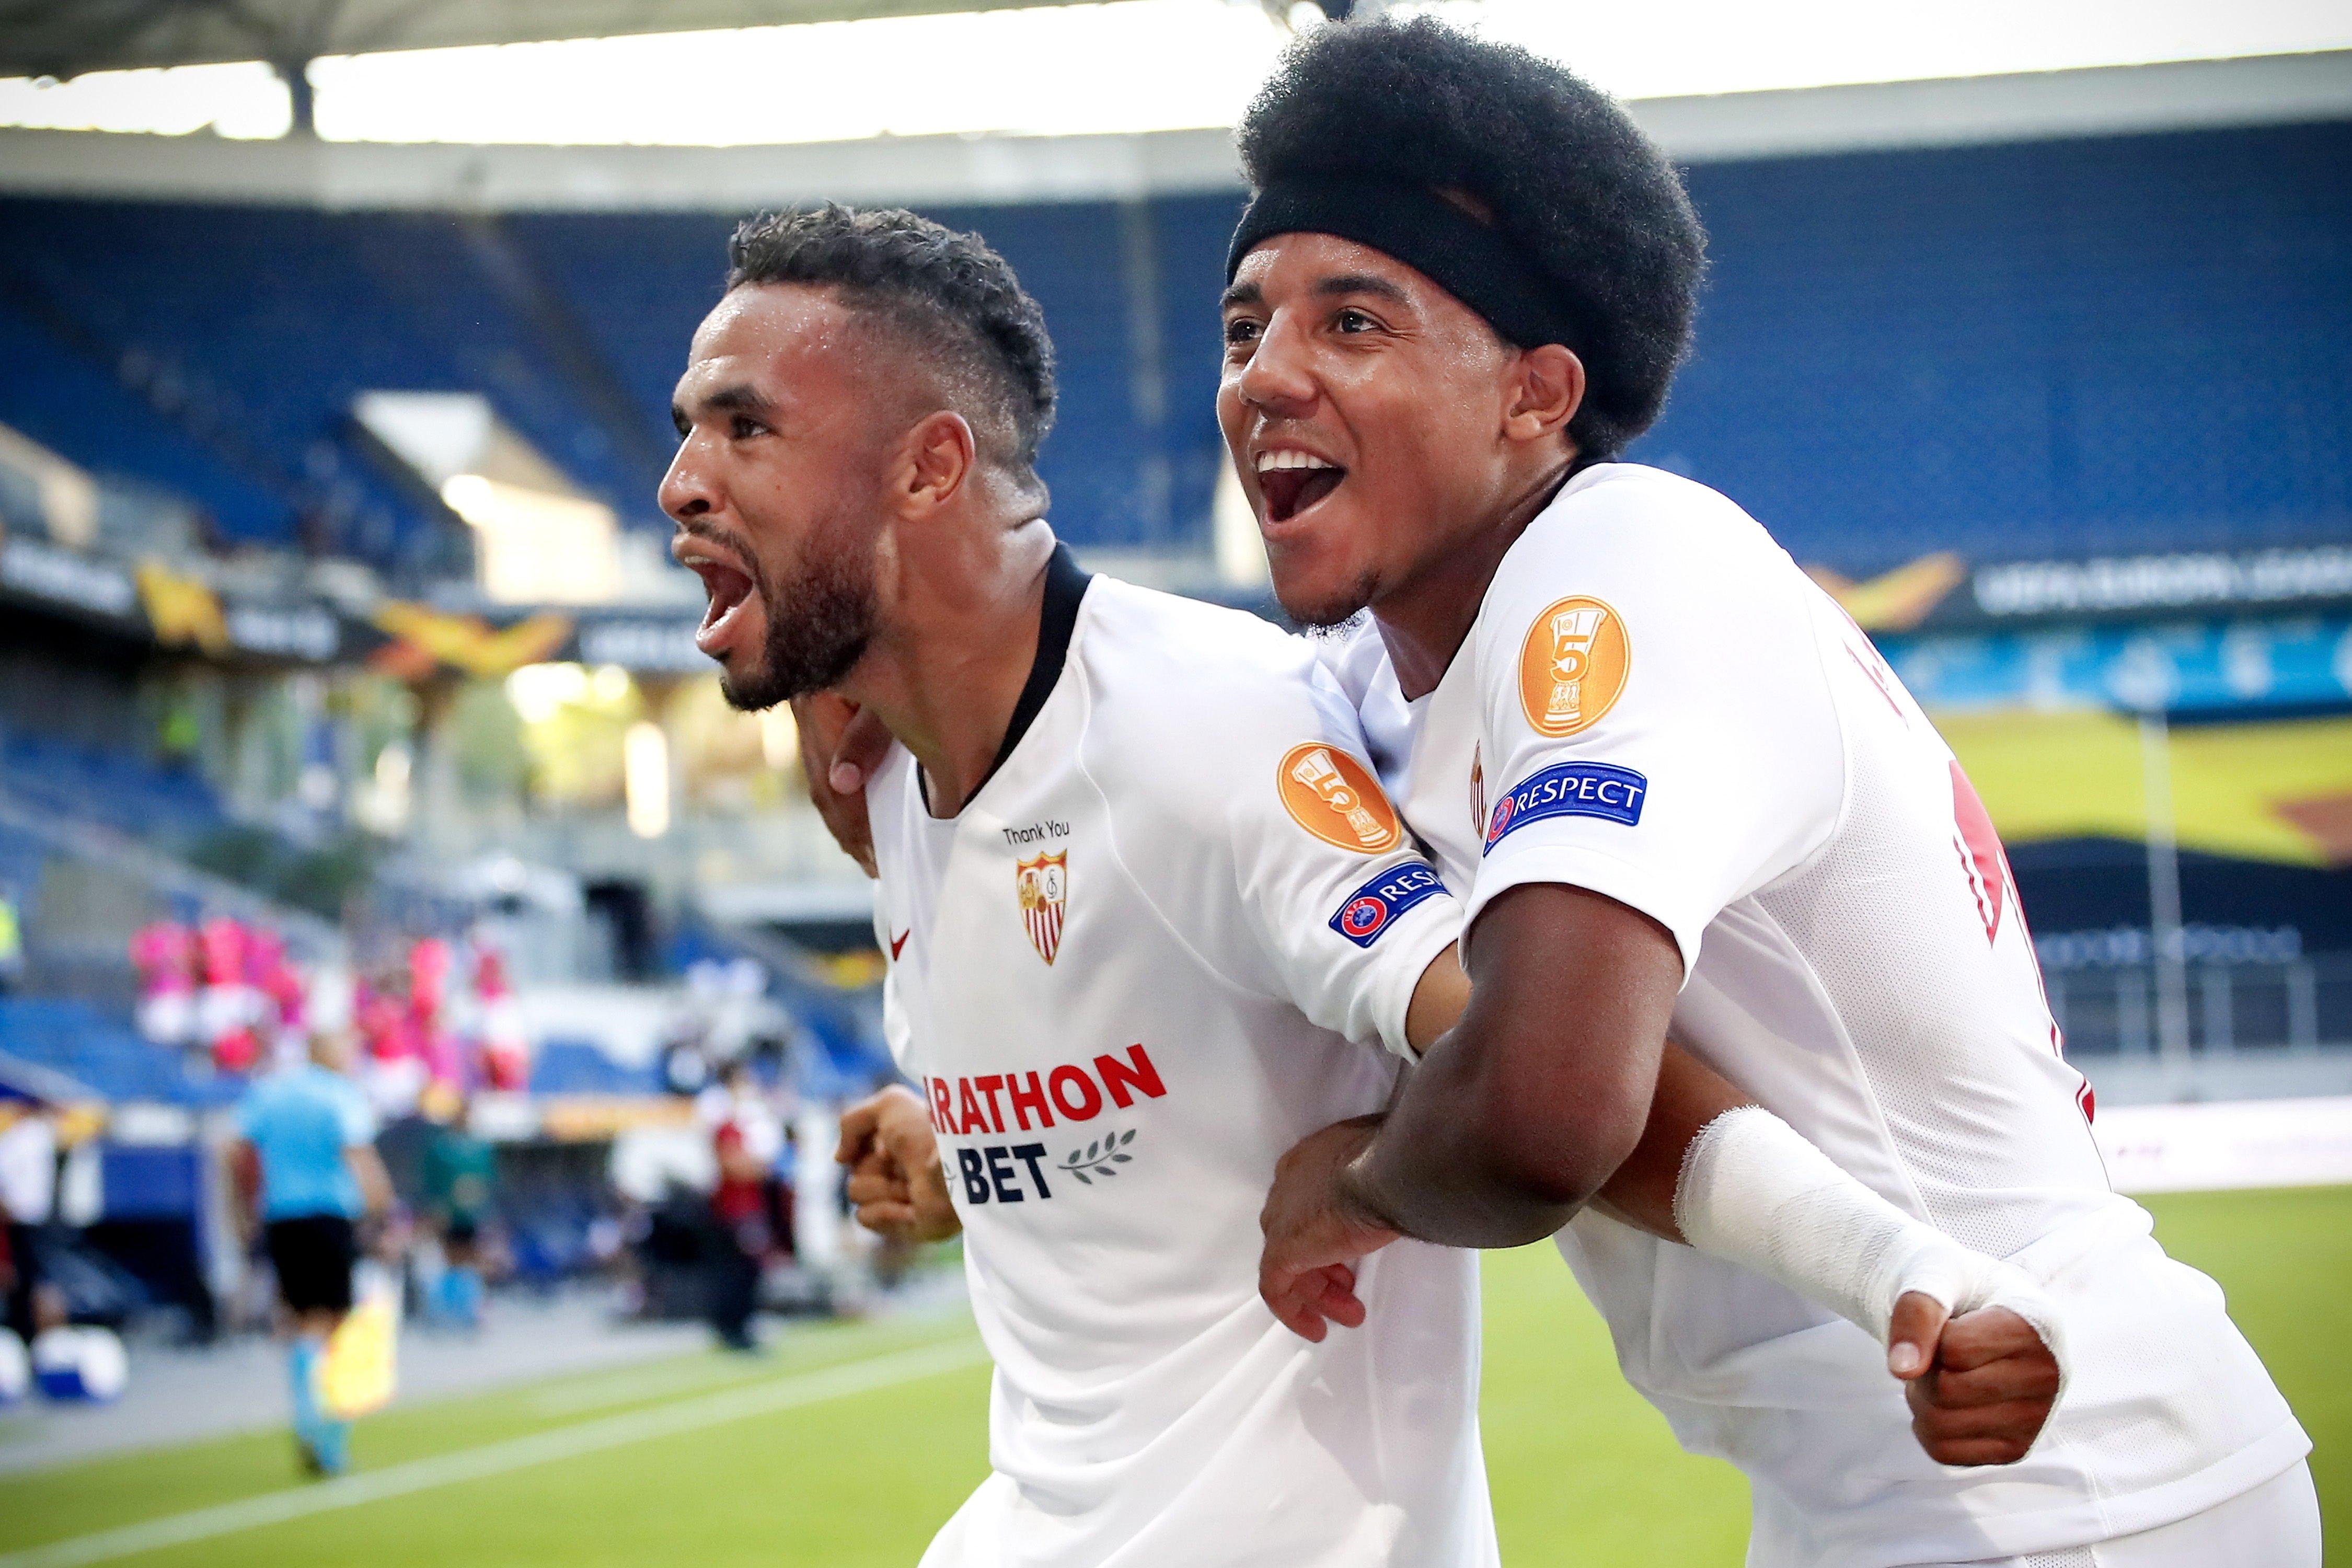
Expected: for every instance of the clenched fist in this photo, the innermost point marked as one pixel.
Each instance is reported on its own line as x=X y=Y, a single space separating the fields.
x=896 y=1182
x=1985 y=1382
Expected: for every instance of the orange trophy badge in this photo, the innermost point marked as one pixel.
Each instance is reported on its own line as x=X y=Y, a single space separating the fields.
x=1573 y=666
x=1336 y=798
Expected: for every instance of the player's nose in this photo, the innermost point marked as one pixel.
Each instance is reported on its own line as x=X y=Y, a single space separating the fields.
x=687 y=490
x=1277 y=379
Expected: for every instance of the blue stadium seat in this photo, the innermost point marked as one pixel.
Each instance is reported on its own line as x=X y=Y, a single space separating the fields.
x=21 y=858
x=2062 y=348
x=576 y=1066
x=116 y=788
x=105 y=1053
x=2128 y=342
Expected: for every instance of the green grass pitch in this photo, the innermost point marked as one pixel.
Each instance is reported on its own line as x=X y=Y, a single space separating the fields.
x=787 y=1474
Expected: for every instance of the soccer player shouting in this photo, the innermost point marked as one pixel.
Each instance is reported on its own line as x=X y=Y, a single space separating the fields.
x=1141 y=899
x=1677 y=787
x=1139 y=892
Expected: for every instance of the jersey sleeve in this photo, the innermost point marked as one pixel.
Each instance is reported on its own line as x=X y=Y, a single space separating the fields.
x=1657 y=724
x=1334 y=894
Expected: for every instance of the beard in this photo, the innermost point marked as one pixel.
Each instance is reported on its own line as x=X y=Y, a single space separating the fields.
x=818 y=625
x=1329 y=609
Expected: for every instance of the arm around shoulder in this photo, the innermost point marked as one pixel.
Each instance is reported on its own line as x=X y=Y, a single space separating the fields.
x=1521 y=1113
x=1513 y=1120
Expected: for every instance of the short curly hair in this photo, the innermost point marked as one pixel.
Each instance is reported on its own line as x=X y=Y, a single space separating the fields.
x=945 y=290
x=1560 y=165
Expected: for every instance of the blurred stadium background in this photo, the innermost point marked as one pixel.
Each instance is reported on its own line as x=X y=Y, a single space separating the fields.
x=345 y=681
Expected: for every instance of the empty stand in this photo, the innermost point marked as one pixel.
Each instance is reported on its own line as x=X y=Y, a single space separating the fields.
x=579 y=1067
x=115 y=788
x=2053 y=347
x=105 y=1053
x=2062 y=348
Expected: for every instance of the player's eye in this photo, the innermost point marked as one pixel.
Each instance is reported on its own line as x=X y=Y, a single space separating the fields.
x=742 y=427
x=1354 y=320
x=1241 y=330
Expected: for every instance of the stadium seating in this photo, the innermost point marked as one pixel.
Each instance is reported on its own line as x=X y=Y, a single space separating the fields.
x=2060 y=348
x=105 y=1053
x=578 y=1067
x=69 y=396
x=2050 y=348
x=21 y=858
x=640 y=282
x=115 y=788
x=250 y=331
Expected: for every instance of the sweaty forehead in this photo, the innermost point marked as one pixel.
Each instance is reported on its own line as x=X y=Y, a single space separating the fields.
x=768 y=332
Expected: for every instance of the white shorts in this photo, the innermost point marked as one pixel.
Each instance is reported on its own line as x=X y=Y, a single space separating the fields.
x=2276 y=1525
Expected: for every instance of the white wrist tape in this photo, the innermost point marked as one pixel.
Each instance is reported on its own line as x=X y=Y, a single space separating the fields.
x=1754 y=1192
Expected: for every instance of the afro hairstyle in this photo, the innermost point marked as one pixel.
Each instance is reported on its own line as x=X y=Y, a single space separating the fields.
x=1563 y=169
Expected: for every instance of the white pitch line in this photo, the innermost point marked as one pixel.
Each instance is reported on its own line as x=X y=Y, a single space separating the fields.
x=641 y=1385
x=497 y=1458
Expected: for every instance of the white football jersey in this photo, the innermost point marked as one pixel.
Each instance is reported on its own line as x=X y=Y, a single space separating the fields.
x=1165 y=939
x=1655 y=703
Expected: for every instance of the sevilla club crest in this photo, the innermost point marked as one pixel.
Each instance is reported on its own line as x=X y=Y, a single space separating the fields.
x=1043 y=885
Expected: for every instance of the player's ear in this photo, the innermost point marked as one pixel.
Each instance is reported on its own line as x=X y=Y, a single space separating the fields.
x=939 y=455
x=1546 y=389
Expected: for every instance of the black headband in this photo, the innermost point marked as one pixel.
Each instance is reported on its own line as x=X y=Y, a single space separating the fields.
x=1475 y=263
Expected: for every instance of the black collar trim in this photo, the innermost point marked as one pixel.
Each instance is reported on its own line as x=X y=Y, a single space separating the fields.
x=1065 y=589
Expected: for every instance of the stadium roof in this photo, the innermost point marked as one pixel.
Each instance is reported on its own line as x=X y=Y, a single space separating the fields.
x=2117 y=100
x=67 y=37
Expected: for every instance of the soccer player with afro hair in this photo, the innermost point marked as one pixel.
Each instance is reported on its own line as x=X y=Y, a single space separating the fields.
x=1696 y=797
x=1552 y=165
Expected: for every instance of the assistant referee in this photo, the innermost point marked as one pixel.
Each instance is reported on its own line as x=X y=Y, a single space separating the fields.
x=307 y=1171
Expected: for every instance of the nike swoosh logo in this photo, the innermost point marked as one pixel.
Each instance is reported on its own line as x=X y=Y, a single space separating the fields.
x=898 y=941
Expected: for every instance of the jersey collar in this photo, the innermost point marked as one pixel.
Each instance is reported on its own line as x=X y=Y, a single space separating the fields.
x=1065 y=589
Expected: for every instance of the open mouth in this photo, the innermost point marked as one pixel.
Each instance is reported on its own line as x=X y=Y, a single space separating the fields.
x=730 y=590
x=1292 y=482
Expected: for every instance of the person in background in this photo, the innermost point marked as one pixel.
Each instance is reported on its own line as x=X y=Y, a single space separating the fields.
x=164 y=953
x=502 y=1039
x=228 y=1009
x=306 y=1171
x=747 y=1140
x=282 y=999
x=431 y=970
x=28 y=1187
x=459 y=1178
x=392 y=1061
